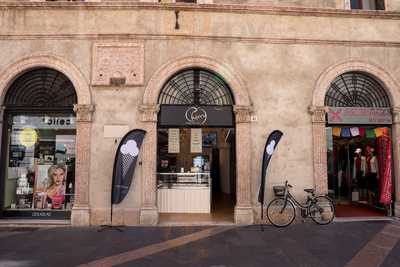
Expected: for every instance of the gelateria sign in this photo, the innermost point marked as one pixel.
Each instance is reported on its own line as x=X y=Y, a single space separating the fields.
x=183 y=115
x=354 y=115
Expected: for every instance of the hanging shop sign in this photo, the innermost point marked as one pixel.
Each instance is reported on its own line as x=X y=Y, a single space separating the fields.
x=354 y=115
x=186 y=116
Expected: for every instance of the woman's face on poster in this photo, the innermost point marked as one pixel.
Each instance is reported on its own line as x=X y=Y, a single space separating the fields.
x=58 y=177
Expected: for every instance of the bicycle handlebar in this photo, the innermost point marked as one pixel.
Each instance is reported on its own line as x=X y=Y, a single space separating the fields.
x=287 y=184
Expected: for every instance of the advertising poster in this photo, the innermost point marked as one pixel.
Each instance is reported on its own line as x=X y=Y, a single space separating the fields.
x=49 y=191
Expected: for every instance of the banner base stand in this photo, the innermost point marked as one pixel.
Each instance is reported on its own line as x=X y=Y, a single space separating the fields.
x=110 y=227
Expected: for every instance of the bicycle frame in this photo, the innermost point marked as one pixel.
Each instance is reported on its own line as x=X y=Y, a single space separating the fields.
x=293 y=200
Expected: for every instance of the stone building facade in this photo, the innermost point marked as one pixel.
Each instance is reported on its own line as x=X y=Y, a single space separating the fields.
x=278 y=58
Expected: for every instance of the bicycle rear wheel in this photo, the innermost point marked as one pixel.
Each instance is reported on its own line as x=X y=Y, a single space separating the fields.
x=278 y=214
x=322 y=211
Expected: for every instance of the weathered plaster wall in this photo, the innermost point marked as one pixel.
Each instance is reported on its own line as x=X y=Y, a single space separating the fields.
x=293 y=3
x=279 y=56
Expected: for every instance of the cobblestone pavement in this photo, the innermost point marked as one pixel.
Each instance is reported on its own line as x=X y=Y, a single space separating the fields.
x=339 y=244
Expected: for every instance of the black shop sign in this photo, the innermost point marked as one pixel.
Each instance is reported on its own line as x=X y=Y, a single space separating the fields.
x=195 y=116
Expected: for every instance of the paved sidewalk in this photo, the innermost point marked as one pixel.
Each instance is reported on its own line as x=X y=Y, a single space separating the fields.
x=338 y=244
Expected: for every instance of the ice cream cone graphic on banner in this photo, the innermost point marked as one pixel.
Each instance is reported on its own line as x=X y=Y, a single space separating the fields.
x=129 y=151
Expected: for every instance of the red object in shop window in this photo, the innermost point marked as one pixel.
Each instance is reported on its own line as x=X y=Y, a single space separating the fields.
x=385 y=169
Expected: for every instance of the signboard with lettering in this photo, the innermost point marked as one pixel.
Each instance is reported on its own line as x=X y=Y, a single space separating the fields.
x=195 y=116
x=173 y=140
x=355 y=115
x=43 y=122
x=196 y=140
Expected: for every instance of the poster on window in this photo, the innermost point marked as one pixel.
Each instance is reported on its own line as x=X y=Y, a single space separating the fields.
x=173 y=140
x=49 y=191
x=196 y=140
x=65 y=147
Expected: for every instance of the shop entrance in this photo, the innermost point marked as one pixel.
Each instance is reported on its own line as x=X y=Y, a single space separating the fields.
x=357 y=164
x=196 y=149
x=38 y=147
x=359 y=146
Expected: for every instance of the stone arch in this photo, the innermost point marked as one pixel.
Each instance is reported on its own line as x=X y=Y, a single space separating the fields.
x=318 y=111
x=12 y=71
x=327 y=76
x=243 y=108
x=84 y=108
x=161 y=76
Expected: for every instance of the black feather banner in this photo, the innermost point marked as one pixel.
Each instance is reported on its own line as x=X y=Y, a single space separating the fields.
x=269 y=149
x=125 y=164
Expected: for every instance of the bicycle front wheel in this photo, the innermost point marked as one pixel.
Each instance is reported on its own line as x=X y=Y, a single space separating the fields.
x=322 y=211
x=278 y=214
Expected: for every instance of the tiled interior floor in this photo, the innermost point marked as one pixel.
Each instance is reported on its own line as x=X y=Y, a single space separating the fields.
x=221 y=213
x=357 y=210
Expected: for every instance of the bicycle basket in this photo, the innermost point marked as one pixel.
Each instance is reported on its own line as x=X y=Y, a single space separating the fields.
x=279 y=190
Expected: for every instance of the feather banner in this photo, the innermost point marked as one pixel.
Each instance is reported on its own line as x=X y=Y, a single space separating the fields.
x=125 y=164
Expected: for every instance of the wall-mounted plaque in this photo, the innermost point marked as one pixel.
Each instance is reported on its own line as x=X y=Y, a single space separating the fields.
x=118 y=64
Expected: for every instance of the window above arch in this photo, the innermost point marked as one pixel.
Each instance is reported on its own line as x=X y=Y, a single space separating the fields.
x=368 y=4
x=196 y=87
x=41 y=88
x=356 y=89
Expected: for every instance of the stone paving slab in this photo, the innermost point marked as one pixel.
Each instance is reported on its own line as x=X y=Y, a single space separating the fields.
x=72 y=246
x=298 y=245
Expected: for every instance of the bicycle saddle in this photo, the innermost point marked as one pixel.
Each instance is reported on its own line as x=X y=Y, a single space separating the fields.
x=309 y=190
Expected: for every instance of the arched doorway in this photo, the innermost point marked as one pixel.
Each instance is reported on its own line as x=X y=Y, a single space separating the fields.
x=149 y=117
x=359 y=145
x=39 y=146
x=196 y=148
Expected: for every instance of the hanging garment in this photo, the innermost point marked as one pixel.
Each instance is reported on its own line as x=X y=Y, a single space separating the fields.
x=370 y=133
x=372 y=164
x=346 y=132
x=362 y=132
x=378 y=132
x=336 y=131
x=355 y=131
x=372 y=173
x=385 y=152
x=385 y=131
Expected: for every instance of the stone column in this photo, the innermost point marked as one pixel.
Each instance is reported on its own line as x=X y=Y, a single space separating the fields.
x=80 y=215
x=396 y=158
x=1 y=125
x=149 y=210
x=243 y=208
x=320 y=160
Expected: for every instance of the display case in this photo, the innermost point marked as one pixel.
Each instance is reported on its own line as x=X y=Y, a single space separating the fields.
x=184 y=192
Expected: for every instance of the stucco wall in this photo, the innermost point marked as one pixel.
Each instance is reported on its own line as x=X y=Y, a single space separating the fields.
x=280 y=57
x=293 y=3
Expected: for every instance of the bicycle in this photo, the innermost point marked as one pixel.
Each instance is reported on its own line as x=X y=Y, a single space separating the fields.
x=281 y=211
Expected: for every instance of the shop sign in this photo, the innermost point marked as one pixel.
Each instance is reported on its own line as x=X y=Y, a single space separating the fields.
x=196 y=116
x=354 y=115
x=44 y=122
x=187 y=116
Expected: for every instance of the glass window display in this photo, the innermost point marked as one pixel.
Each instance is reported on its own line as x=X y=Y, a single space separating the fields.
x=40 y=176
